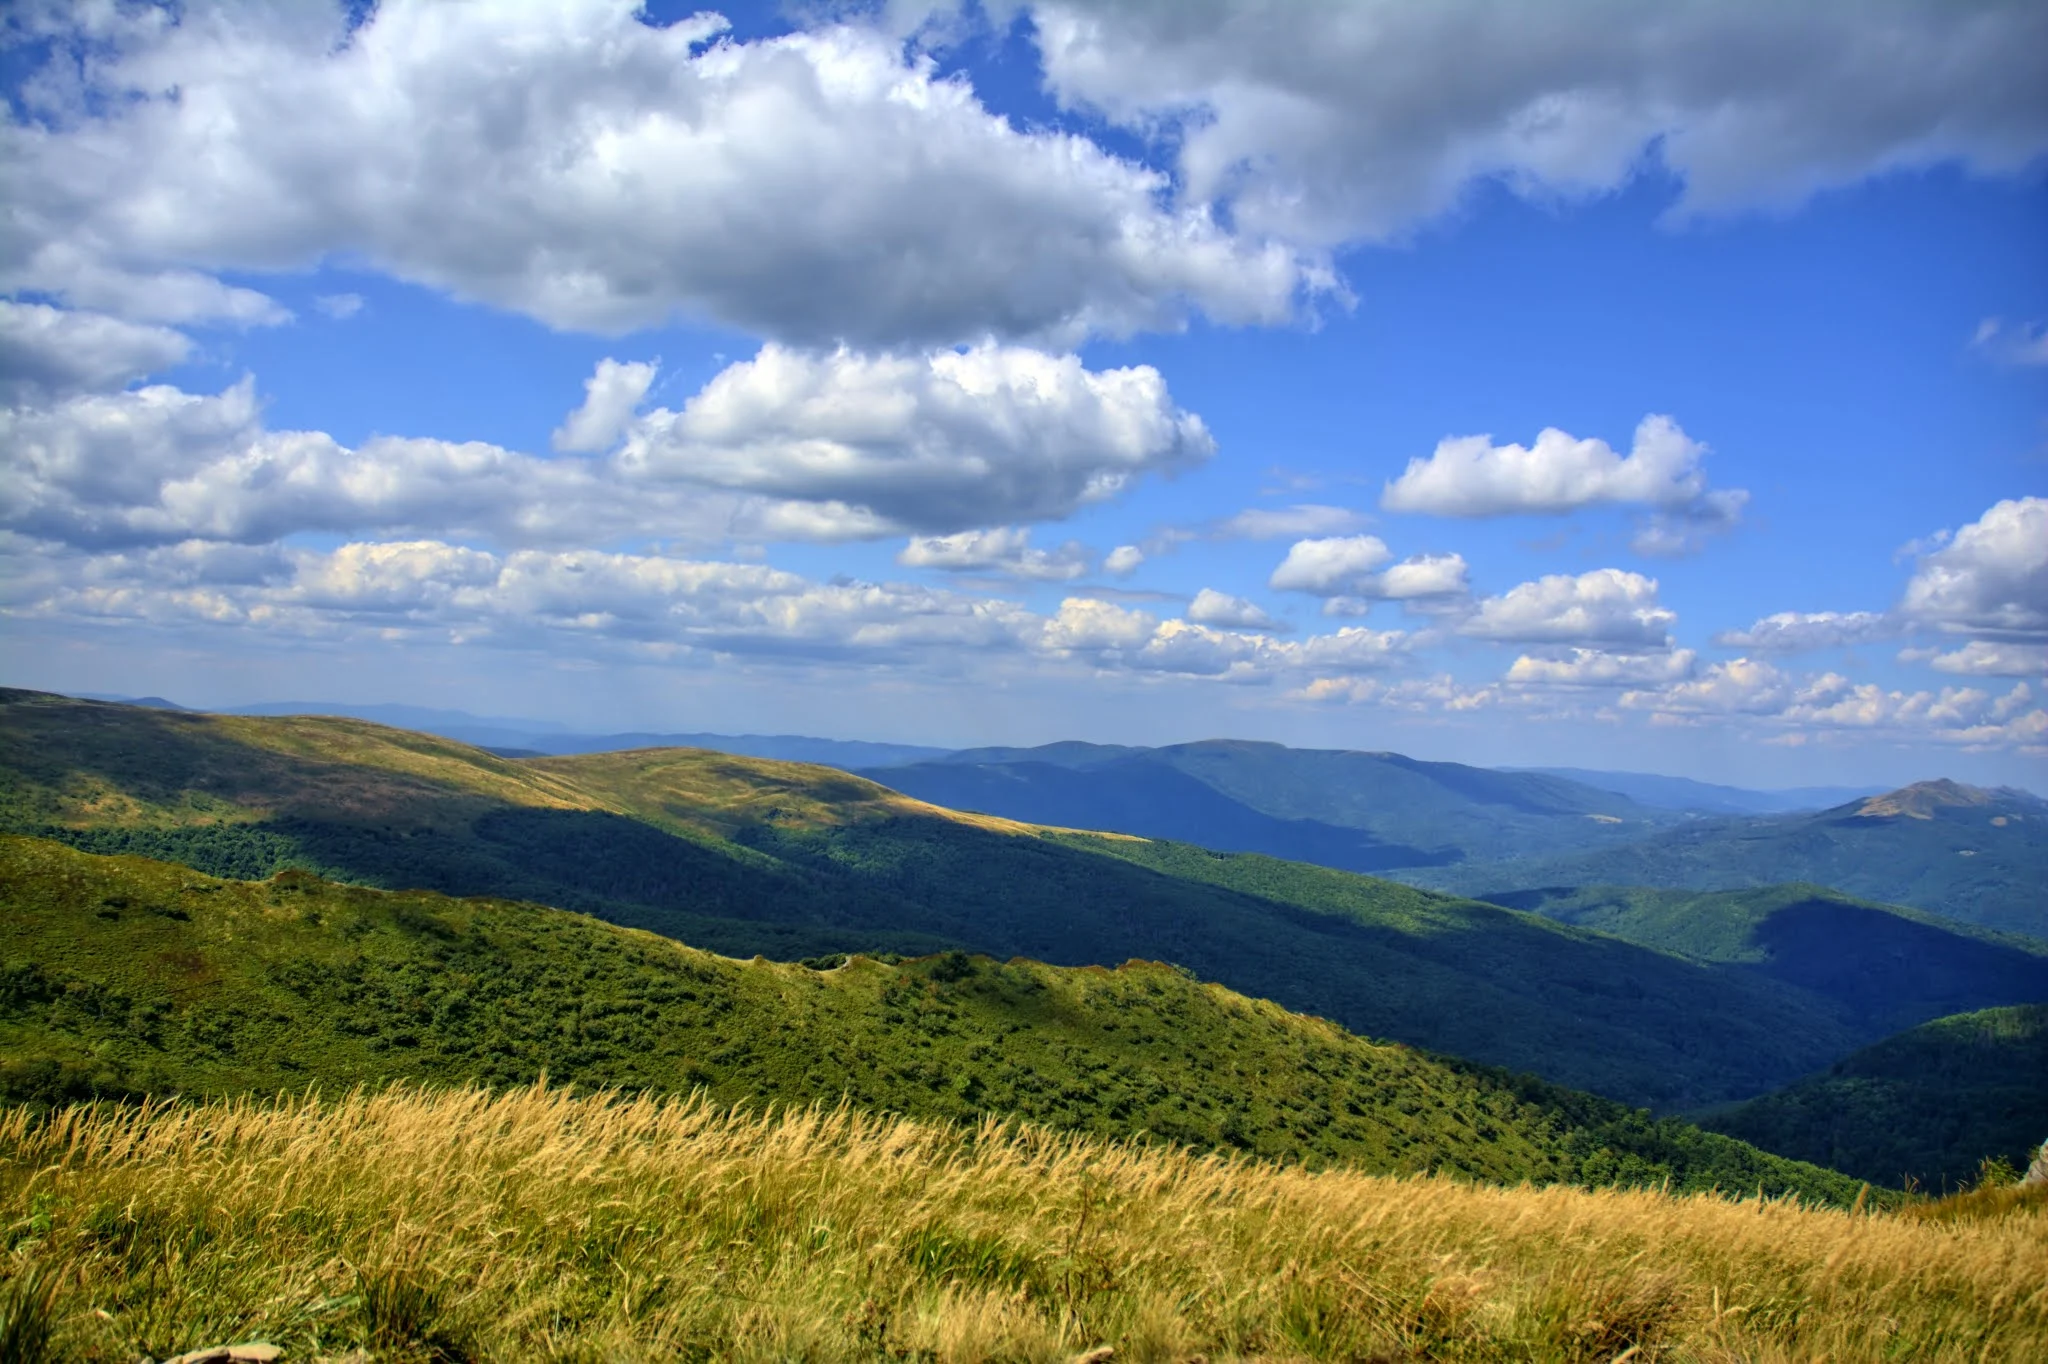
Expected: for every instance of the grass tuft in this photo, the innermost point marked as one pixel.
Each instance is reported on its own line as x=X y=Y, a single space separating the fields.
x=443 y=1225
x=28 y=1316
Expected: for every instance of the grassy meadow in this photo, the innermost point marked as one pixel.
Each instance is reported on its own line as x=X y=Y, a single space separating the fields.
x=458 y=1225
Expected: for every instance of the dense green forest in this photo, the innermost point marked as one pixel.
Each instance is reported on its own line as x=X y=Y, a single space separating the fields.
x=125 y=976
x=1929 y=1106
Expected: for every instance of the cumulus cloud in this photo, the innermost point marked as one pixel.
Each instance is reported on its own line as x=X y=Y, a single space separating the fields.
x=1604 y=608
x=581 y=165
x=1829 y=705
x=1802 y=631
x=1990 y=578
x=1211 y=607
x=1123 y=560
x=609 y=397
x=1429 y=583
x=1357 y=121
x=1442 y=693
x=1471 y=476
x=48 y=352
x=529 y=598
x=1003 y=552
x=792 y=446
x=1984 y=658
x=1331 y=566
x=1599 y=668
x=937 y=443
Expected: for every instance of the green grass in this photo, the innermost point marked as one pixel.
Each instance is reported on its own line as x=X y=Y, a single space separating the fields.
x=123 y=976
x=1929 y=1106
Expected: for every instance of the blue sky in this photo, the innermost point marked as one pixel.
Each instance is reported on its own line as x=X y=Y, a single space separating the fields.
x=1132 y=372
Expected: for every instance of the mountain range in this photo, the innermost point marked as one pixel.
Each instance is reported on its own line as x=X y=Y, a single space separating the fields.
x=745 y=857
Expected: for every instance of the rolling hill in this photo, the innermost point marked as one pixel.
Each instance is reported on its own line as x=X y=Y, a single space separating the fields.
x=1929 y=1104
x=1888 y=966
x=745 y=857
x=126 y=975
x=1977 y=855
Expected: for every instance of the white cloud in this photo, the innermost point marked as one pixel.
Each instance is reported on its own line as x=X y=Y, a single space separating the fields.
x=1330 y=567
x=340 y=307
x=1002 y=552
x=1741 y=686
x=1419 y=695
x=1990 y=578
x=1831 y=706
x=1275 y=523
x=1087 y=624
x=1112 y=636
x=2016 y=343
x=1598 y=668
x=61 y=266
x=1422 y=576
x=531 y=598
x=1984 y=658
x=1123 y=560
x=609 y=397
x=936 y=443
x=1606 y=607
x=794 y=447
x=575 y=163
x=47 y=352
x=1431 y=583
x=1471 y=476
x=1340 y=122
x=1801 y=631
x=1211 y=607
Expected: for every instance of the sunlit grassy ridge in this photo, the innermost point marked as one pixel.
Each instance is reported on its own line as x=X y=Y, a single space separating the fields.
x=743 y=856
x=123 y=976
x=537 y=1226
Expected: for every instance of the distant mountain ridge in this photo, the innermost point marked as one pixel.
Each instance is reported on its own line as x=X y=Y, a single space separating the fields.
x=1358 y=811
x=1683 y=793
x=1976 y=854
x=523 y=738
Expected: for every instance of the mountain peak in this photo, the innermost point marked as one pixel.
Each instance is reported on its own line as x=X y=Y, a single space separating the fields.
x=1923 y=798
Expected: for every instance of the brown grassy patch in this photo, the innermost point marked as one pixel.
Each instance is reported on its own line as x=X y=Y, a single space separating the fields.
x=455 y=1225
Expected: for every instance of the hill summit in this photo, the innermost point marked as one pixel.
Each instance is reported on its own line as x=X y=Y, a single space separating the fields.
x=1923 y=799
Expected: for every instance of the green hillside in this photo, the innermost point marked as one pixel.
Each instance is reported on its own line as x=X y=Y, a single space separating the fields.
x=1888 y=966
x=125 y=975
x=1964 y=852
x=745 y=857
x=1929 y=1104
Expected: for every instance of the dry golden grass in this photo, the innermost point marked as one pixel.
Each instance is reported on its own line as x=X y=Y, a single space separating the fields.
x=539 y=1226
